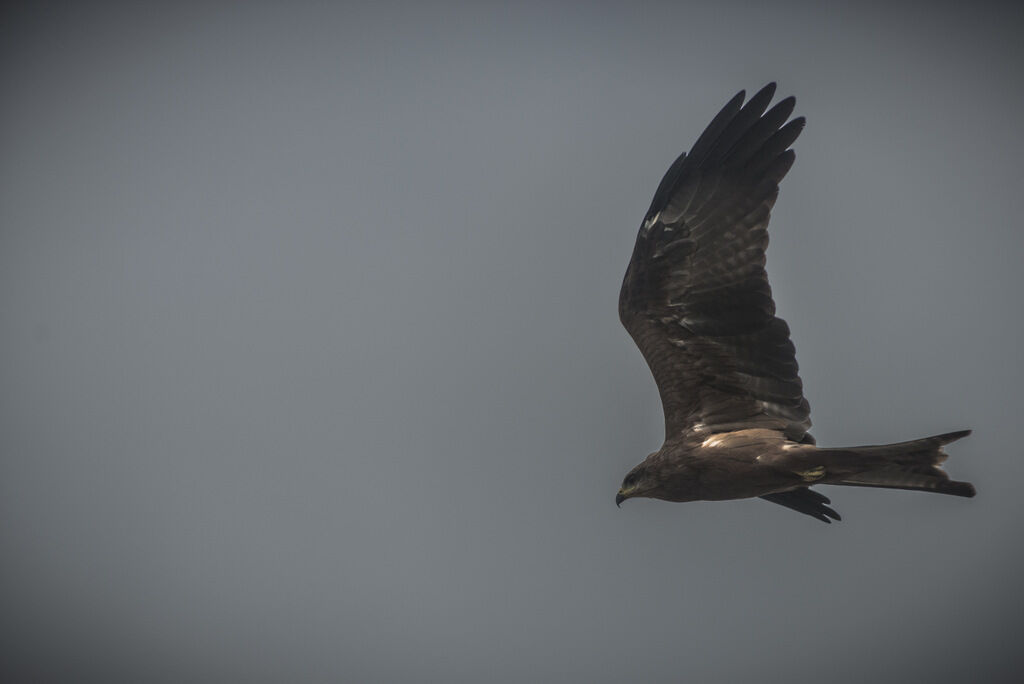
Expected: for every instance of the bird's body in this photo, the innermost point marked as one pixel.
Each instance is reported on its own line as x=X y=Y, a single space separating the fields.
x=728 y=465
x=696 y=301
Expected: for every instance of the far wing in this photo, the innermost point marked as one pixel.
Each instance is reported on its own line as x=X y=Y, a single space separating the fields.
x=806 y=501
x=696 y=298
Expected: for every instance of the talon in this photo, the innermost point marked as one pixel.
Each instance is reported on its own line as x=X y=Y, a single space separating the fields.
x=812 y=474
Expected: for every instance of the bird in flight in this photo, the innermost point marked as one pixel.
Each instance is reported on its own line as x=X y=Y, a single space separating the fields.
x=696 y=301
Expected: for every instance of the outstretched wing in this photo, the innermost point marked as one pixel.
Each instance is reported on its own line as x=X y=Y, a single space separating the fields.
x=696 y=298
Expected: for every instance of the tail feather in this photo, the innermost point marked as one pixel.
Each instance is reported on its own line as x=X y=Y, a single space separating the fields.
x=905 y=465
x=895 y=478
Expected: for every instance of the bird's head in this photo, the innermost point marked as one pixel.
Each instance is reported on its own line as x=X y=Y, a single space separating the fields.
x=638 y=482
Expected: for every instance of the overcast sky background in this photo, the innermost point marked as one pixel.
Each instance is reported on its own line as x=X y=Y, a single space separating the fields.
x=310 y=366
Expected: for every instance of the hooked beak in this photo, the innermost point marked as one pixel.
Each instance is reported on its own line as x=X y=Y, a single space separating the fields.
x=619 y=498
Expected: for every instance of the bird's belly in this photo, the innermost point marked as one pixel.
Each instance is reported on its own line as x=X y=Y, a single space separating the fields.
x=725 y=478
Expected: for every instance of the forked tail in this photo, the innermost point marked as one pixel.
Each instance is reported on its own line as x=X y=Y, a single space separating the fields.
x=906 y=465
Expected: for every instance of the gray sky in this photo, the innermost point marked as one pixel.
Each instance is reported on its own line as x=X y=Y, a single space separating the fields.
x=311 y=368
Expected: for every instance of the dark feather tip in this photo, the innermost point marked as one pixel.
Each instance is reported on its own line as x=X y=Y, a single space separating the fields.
x=965 y=489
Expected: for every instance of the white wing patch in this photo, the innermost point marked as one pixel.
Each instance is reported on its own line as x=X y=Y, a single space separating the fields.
x=649 y=223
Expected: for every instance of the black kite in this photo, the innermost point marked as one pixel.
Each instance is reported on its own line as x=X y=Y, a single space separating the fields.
x=696 y=300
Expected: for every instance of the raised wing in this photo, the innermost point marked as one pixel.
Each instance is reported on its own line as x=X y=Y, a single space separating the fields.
x=696 y=298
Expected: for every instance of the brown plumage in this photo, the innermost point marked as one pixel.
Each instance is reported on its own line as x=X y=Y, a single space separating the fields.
x=696 y=301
